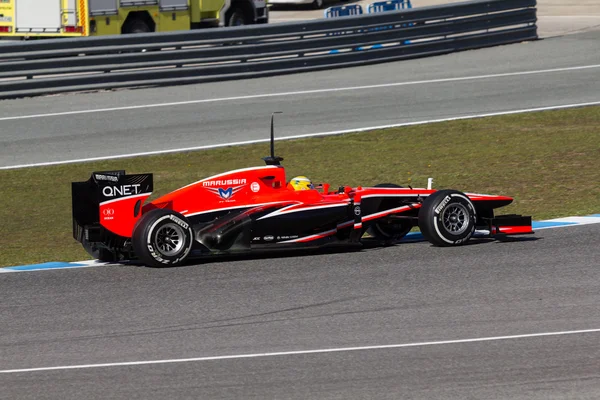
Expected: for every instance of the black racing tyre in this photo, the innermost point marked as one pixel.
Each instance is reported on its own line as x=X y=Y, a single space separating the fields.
x=162 y=238
x=389 y=232
x=447 y=218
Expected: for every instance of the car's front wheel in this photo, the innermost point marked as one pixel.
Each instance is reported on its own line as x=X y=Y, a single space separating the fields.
x=447 y=218
x=162 y=238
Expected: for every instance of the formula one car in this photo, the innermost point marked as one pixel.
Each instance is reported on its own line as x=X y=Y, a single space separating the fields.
x=255 y=209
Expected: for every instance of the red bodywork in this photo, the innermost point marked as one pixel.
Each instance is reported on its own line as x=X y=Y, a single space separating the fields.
x=266 y=187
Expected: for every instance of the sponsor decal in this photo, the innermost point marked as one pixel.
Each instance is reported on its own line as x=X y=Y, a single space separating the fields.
x=268 y=238
x=442 y=205
x=357 y=210
x=287 y=237
x=102 y=177
x=225 y=194
x=156 y=255
x=256 y=238
x=121 y=191
x=224 y=182
x=108 y=214
x=5 y=19
x=255 y=187
x=179 y=222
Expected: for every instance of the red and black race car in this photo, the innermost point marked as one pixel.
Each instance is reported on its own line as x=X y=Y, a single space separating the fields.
x=255 y=209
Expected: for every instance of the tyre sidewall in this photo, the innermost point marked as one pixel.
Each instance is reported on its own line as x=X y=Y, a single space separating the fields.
x=433 y=225
x=145 y=233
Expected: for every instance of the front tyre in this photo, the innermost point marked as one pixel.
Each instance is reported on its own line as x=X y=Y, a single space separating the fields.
x=162 y=238
x=447 y=218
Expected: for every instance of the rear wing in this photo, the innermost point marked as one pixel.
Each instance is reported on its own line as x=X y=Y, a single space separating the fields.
x=111 y=199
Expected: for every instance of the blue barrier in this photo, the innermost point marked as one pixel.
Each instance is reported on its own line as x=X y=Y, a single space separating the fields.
x=343 y=11
x=391 y=5
x=383 y=6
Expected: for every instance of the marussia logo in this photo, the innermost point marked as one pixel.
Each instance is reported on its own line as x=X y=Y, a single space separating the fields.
x=226 y=194
x=224 y=182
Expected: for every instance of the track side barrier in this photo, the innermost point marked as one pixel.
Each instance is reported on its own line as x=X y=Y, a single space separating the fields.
x=163 y=59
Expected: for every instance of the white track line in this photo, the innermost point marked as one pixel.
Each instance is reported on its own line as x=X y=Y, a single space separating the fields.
x=304 y=92
x=307 y=135
x=298 y=352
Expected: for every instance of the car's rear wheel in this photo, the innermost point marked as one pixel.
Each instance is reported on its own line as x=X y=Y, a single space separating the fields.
x=162 y=238
x=447 y=218
x=389 y=231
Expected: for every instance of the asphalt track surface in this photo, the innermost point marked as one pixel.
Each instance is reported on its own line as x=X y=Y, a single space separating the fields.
x=407 y=294
x=226 y=112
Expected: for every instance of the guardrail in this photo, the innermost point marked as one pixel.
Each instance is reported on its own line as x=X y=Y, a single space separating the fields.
x=155 y=59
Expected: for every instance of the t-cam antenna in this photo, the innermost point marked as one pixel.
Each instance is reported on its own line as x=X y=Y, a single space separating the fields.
x=272 y=159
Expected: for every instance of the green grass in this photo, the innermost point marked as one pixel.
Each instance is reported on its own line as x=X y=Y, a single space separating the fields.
x=548 y=161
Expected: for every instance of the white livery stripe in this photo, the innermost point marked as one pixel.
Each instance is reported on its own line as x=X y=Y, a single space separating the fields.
x=319 y=235
x=235 y=171
x=311 y=237
x=390 y=211
x=291 y=209
x=234 y=207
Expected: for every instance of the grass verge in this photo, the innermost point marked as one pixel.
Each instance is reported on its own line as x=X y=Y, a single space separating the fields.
x=548 y=161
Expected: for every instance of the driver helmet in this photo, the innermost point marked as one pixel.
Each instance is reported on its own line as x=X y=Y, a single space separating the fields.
x=301 y=183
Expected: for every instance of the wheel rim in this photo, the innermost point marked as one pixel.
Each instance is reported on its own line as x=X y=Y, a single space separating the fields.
x=456 y=218
x=170 y=239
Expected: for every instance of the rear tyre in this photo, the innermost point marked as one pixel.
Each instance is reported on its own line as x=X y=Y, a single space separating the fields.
x=162 y=238
x=447 y=218
x=389 y=232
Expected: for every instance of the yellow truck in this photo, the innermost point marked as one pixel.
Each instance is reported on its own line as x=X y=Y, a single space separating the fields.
x=68 y=18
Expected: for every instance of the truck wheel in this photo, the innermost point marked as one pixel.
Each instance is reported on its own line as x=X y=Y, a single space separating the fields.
x=237 y=17
x=389 y=232
x=447 y=218
x=162 y=238
x=136 y=26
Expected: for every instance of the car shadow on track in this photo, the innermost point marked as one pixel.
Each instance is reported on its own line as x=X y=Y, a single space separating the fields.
x=366 y=245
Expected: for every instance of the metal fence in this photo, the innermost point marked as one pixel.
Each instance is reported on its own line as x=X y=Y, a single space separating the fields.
x=154 y=59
